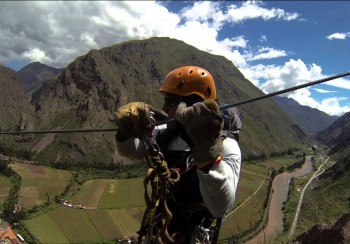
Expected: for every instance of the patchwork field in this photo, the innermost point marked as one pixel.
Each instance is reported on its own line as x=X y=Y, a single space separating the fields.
x=114 y=208
x=39 y=183
x=111 y=194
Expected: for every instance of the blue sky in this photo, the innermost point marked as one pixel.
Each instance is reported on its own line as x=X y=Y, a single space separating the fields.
x=275 y=44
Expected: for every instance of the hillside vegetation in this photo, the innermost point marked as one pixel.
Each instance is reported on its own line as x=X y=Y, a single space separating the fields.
x=310 y=120
x=328 y=199
x=93 y=86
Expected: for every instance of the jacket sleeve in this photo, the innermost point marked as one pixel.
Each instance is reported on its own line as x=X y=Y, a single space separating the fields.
x=218 y=187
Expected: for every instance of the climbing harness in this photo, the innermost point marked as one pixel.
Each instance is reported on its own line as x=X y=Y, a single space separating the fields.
x=157 y=215
x=206 y=234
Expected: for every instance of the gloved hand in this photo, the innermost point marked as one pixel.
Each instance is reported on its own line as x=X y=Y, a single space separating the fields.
x=134 y=119
x=203 y=123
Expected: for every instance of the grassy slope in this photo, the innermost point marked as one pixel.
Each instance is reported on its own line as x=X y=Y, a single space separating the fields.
x=330 y=199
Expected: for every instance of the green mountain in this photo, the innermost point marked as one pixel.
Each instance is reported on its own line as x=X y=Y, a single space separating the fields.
x=89 y=90
x=325 y=212
x=310 y=120
x=337 y=136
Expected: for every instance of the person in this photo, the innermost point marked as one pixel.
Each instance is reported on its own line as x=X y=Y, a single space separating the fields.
x=193 y=144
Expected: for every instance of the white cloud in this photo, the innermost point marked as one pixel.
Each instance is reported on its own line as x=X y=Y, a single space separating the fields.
x=266 y=53
x=323 y=90
x=65 y=30
x=333 y=107
x=340 y=83
x=61 y=31
x=272 y=78
x=205 y=11
x=254 y=10
x=338 y=36
x=330 y=105
x=36 y=54
x=294 y=72
x=263 y=38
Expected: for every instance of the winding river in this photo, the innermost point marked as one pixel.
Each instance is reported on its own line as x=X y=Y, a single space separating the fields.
x=280 y=192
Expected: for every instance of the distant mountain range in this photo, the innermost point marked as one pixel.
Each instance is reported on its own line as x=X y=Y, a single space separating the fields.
x=331 y=190
x=309 y=119
x=337 y=135
x=34 y=75
x=87 y=92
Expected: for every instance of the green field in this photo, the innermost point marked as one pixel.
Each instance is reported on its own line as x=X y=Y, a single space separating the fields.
x=95 y=224
x=5 y=185
x=39 y=183
x=243 y=218
x=114 y=207
x=45 y=229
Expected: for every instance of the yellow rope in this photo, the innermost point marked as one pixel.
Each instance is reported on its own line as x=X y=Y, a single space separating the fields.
x=158 y=178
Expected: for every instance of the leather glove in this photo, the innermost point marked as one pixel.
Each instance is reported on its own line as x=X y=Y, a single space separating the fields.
x=203 y=124
x=134 y=119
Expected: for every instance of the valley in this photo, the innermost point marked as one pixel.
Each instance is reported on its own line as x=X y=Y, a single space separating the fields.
x=39 y=172
x=118 y=203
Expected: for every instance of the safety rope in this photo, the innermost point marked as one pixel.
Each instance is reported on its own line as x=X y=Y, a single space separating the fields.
x=157 y=216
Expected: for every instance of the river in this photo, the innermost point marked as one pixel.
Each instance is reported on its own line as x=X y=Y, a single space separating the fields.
x=280 y=187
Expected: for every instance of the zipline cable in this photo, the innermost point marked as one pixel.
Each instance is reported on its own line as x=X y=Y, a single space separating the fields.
x=56 y=131
x=274 y=93
x=286 y=90
x=167 y=121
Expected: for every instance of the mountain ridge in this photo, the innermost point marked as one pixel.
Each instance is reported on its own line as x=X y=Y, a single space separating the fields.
x=310 y=120
x=35 y=74
x=90 y=88
x=16 y=112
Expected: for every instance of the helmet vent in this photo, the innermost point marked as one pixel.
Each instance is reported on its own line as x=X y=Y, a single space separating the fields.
x=203 y=73
x=181 y=83
x=208 y=91
x=191 y=71
x=179 y=74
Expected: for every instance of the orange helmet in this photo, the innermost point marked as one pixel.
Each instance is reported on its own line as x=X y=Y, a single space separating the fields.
x=189 y=80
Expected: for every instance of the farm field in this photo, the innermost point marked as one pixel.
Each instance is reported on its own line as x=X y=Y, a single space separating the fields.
x=277 y=162
x=111 y=193
x=114 y=207
x=94 y=224
x=5 y=185
x=68 y=225
x=39 y=183
x=242 y=218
